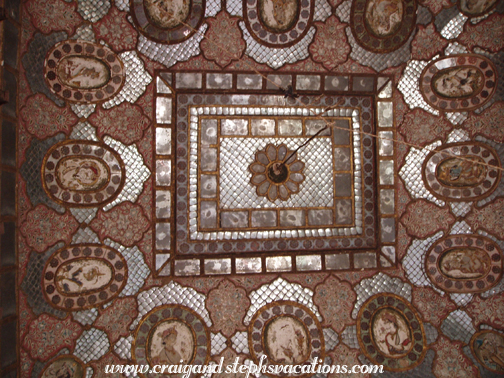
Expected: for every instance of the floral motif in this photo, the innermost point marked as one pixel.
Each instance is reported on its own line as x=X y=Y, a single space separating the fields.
x=223 y=41
x=330 y=46
x=116 y=318
x=273 y=177
x=53 y=15
x=125 y=122
x=487 y=311
x=43 y=118
x=433 y=307
x=488 y=124
x=125 y=224
x=44 y=227
x=116 y=30
x=343 y=355
x=436 y=5
x=489 y=218
x=227 y=305
x=420 y=127
x=486 y=34
x=48 y=335
x=450 y=361
x=108 y=359
x=403 y=242
x=427 y=42
x=230 y=357
x=335 y=300
x=423 y=218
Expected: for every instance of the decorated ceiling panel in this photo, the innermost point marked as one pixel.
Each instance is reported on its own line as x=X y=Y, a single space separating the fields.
x=263 y=180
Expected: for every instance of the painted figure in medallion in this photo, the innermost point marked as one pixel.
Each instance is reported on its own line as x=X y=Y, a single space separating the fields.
x=391 y=333
x=384 y=17
x=278 y=15
x=287 y=341
x=83 y=72
x=476 y=7
x=167 y=13
x=172 y=341
x=79 y=276
x=458 y=82
x=461 y=172
x=465 y=263
x=82 y=174
x=66 y=367
x=489 y=348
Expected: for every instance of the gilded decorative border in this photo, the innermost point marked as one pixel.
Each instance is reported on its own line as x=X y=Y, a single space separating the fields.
x=466 y=150
x=458 y=104
x=201 y=335
x=88 y=299
x=88 y=50
x=377 y=302
x=486 y=281
x=386 y=44
x=275 y=310
x=174 y=35
x=84 y=149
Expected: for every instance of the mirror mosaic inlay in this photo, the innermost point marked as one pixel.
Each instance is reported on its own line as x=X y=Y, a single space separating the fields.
x=223 y=201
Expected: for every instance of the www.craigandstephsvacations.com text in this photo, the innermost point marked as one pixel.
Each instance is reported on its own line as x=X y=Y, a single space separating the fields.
x=316 y=367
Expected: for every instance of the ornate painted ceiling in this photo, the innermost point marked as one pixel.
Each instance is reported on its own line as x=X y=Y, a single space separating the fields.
x=293 y=179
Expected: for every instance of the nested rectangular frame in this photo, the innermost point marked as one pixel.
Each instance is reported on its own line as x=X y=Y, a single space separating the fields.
x=168 y=259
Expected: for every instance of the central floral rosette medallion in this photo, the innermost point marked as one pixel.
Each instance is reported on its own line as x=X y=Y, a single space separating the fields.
x=274 y=178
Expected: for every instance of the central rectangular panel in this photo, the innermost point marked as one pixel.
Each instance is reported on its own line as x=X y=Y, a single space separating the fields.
x=221 y=209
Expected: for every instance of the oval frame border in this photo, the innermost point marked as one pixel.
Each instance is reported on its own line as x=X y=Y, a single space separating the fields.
x=377 y=44
x=471 y=344
x=118 y=257
x=87 y=49
x=458 y=104
x=439 y=150
x=98 y=145
x=307 y=313
x=432 y=258
x=362 y=332
x=146 y=318
x=289 y=40
x=167 y=36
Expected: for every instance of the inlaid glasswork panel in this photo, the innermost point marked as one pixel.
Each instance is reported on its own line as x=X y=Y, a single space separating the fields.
x=257 y=173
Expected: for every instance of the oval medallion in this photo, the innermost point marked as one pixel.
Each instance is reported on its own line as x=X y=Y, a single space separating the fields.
x=84 y=276
x=278 y=15
x=167 y=21
x=64 y=366
x=476 y=8
x=169 y=334
x=461 y=171
x=82 y=173
x=83 y=72
x=488 y=348
x=458 y=82
x=391 y=333
x=167 y=14
x=464 y=264
x=278 y=23
x=382 y=25
x=287 y=333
